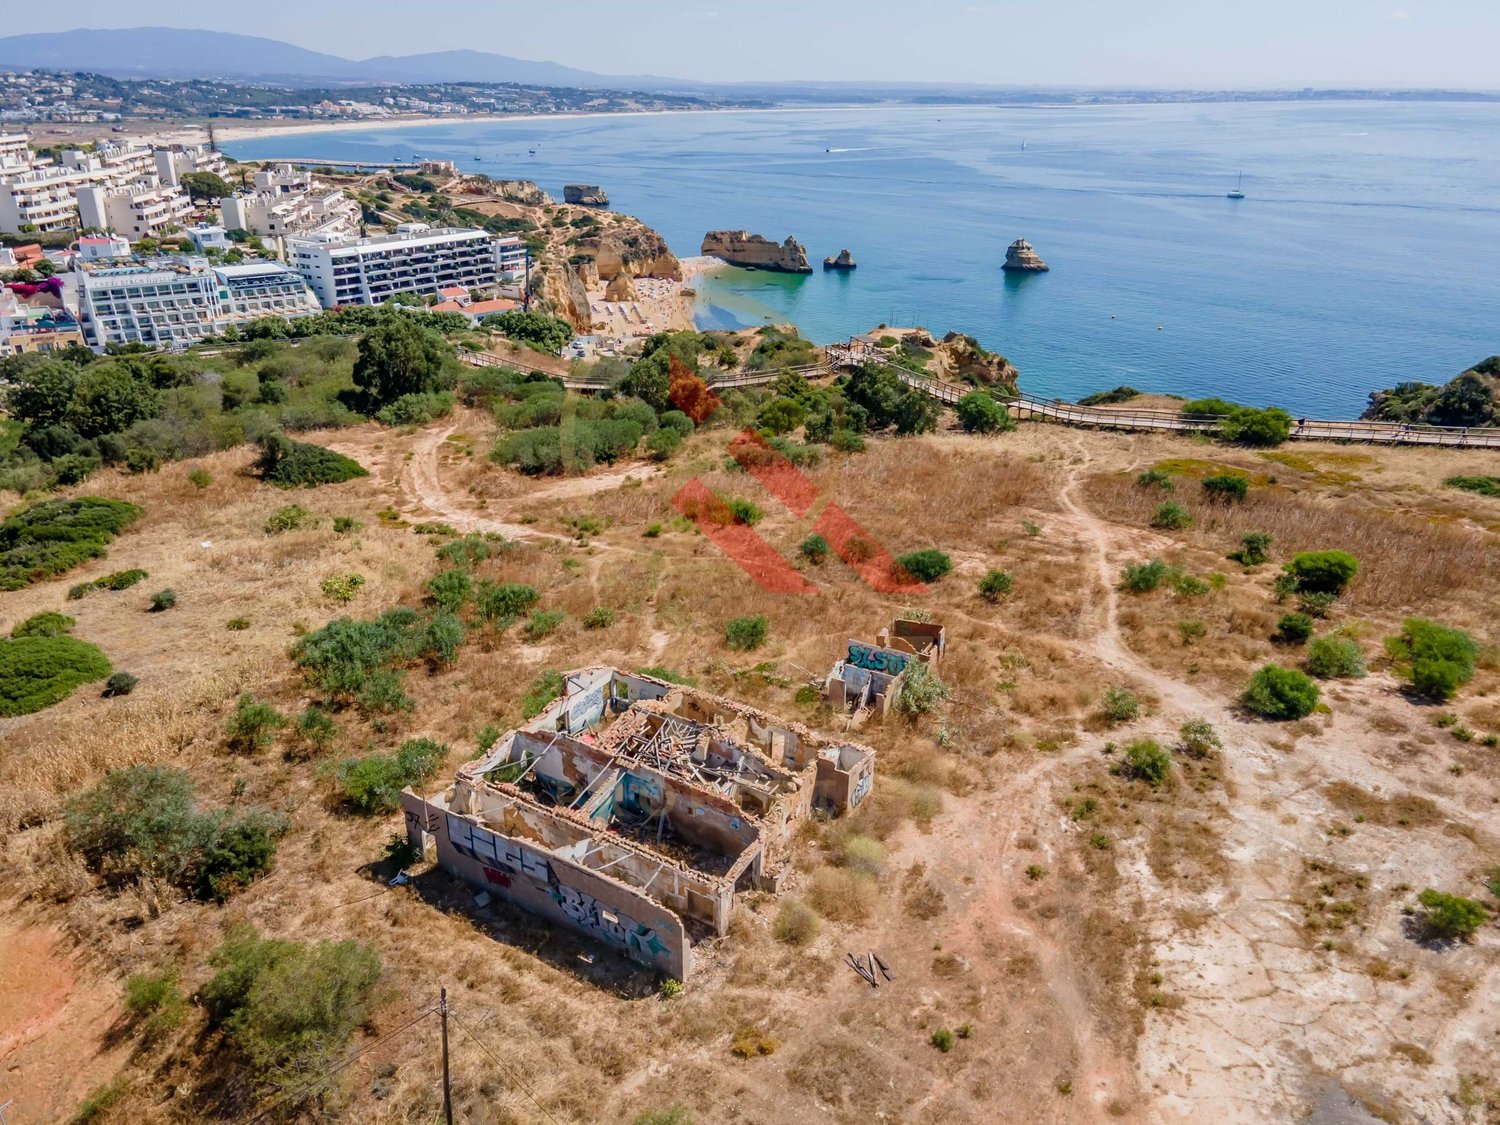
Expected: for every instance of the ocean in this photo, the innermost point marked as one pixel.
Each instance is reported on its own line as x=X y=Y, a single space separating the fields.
x=1363 y=254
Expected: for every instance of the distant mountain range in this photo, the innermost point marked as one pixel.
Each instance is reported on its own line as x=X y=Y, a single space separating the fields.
x=169 y=52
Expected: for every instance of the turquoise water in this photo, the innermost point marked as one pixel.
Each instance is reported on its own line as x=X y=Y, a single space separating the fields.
x=1364 y=254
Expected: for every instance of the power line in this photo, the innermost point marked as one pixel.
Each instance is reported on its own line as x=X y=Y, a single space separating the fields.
x=496 y=1059
x=323 y=1078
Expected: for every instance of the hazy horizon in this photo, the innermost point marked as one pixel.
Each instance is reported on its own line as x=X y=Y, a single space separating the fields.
x=1159 y=44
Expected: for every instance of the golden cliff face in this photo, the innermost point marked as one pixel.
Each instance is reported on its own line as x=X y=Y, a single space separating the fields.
x=741 y=248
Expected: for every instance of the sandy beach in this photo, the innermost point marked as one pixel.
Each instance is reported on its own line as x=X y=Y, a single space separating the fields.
x=661 y=304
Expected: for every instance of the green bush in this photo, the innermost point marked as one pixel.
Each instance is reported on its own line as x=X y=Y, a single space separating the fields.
x=416 y=409
x=1485 y=486
x=1436 y=660
x=342 y=588
x=1451 y=916
x=154 y=1003
x=995 y=585
x=373 y=783
x=1142 y=578
x=664 y=443
x=1155 y=478
x=600 y=617
x=745 y=512
x=382 y=693
x=47 y=624
x=925 y=566
x=1229 y=487
x=451 y=590
x=119 y=580
x=1255 y=548
x=543 y=690
x=921 y=690
x=504 y=604
x=542 y=624
x=1171 y=516
x=1294 y=629
x=745 y=634
x=814 y=549
x=346 y=525
x=53 y=536
x=1120 y=705
x=1334 y=658
x=294 y=464
x=979 y=413
x=316 y=727
x=1280 y=694
x=38 y=671
x=343 y=655
x=442 y=638
x=163 y=600
x=1323 y=572
x=200 y=478
x=1316 y=605
x=1148 y=761
x=1199 y=738
x=141 y=821
x=469 y=551
x=253 y=725
x=1249 y=426
x=942 y=1039
x=121 y=683
x=288 y=1008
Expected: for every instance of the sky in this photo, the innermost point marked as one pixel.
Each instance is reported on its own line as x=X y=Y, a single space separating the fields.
x=1159 y=43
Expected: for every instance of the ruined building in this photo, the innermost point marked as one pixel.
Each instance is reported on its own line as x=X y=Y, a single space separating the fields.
x=633 y=809
x=867 y=682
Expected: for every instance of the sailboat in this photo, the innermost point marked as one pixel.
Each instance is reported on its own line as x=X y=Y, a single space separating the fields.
x=1238 y=192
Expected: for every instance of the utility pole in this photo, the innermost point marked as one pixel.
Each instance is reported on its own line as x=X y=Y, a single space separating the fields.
x=447 y=1093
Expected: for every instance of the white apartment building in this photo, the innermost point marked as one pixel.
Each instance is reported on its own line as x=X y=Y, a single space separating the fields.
x=15 y=152
x=283 y=179
x=172 y=303
x=180 y=160
x=206 y=237
x=103 y=248
x=111 y=163
x=139 y=210
x=510 y=257
x=42 y=198
x=279 y=213
x=416 y=259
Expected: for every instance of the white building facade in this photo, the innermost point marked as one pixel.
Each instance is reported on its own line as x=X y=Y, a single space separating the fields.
x=141 y=210
x=416 y=259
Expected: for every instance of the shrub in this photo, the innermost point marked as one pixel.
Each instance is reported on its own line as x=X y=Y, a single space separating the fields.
x=373 y=783
x=1335 y=657
x=1316 y=605
x=342 y=588
x=47 y=624
x=1228 y=487
x=121 y=579
x=163 y=600
x=942 y=1039
x=292 y=517
x=450 y=590
x=979 y=413
x=1255 y=548
x=140 y=460
x=543 y=690
x=1484 y=486
x=796 y=924
x=504 y=604
x=1142 y=578
x=343 y=656
x=382 y=693
x=316 y=727
x=289 y=1007
x=744 y=634
x=664 y=443
x=1149 y=761
x=542 y=624
x=53 y=536
x=1192 y=631
x=1451 y=916
x=1323 y=572
x=442 y=639
x=600 y=617
x=1280 y=694
x=346 y=525
x=154 y=1003
x=253 y=725
x=927 y=565
x=860 y=853
x=121 y=683
x=1294 y=629
x=416 y=409
x=1171 y=516
x=1249 y=426
x=1199 y=738
x=294 y=464
x=814 y=549
x=744 y=511
x=1436 y=660
x=675 y=1114
x=141 y=821
x=921 y=690
x=200 y=478
x=995 y=585
x=1155 y=478
x=38 y=671
x=1120 y=705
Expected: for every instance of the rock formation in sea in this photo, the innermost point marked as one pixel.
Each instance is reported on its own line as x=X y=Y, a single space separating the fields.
x=620 y=289
x=1021 y=258
x=741 y=248
x=1471 y=398
x=844 y=261
x=585 y=195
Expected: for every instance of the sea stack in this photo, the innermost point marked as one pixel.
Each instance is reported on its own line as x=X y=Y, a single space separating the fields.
x=741 y=248
x=1021 y=258
x=585 y=195
x=844 y=261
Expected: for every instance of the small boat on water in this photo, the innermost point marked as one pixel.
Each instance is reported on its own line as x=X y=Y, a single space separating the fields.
x=1238 y=192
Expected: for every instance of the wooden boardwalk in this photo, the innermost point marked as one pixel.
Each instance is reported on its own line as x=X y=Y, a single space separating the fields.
x=1026 y=408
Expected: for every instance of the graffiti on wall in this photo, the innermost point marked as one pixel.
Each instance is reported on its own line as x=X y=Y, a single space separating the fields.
x=505 y=860
x=586 y=710
x=873 y=659
x=862 y=787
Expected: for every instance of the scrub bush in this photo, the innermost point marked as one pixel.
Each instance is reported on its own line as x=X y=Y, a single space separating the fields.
x=745 y=634
x=38 y=671
x=253 y=725
x=373 y=783
x=995 y=585
x=814 y=549
x=1228 y=487
x=1280 y=694
x=1171 y=516
x=54 y=536
x=925 y=566
x=1149 y=761
x=1335 y=657
x=1294 y=629
x=1142 y=578
x=1451 y=916
x=1323 y=572
x=294 y=464
x=503 y=605
x=48 y=624
x=1435 y=659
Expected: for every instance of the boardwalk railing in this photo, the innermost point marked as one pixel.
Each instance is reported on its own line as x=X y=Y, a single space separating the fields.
x=1026 y=408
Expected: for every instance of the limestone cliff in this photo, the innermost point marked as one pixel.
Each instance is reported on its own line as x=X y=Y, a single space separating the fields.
x=960 y=357
x=602 y=249
x=620 y=289
x=585 y=195
x=631 y=247
x=1021 y=258
x=843 y=261
x=741 y=248
x=510 y=191
x=557 y=289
